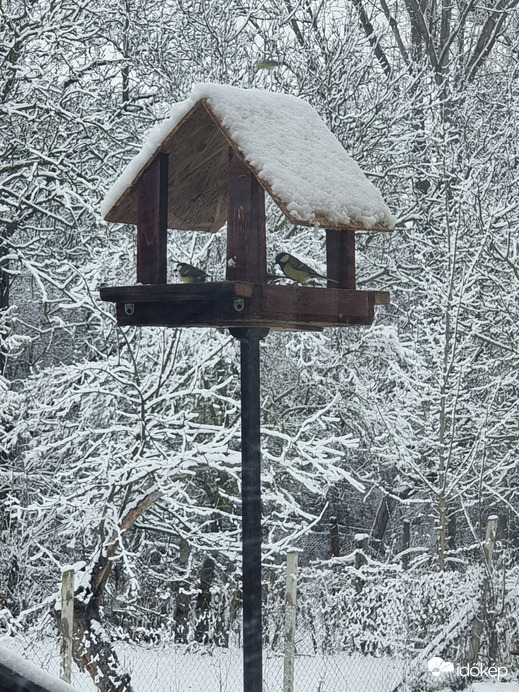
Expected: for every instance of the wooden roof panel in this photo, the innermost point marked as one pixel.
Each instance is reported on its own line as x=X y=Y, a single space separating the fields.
x=197 y=180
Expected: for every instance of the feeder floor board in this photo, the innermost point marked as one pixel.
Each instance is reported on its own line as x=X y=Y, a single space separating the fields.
x=240 y=304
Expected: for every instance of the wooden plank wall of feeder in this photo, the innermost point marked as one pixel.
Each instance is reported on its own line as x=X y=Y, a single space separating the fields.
x=152 y=220
x=246 y=242
x=340 y=258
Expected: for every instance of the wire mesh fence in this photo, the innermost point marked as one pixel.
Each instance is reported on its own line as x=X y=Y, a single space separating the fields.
x=369 y=630
x=171 y=667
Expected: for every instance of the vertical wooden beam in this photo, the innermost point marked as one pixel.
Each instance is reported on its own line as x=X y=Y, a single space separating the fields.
x=340 y=258
x=290 y=622
x=67 y=623
x=152 y=220
x=246 y=242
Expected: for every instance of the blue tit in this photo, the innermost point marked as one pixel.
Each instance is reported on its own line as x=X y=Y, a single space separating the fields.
x=190 y=275
x=297 y=270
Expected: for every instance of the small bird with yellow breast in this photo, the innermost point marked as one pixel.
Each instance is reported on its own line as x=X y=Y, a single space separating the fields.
x=191 y=275
x=296 y=270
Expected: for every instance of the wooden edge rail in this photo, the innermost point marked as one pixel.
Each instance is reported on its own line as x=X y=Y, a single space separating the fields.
x=239 y=303
x=152 y=293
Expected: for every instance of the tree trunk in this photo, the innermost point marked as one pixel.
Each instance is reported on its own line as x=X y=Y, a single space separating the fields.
x=183 y=600
x=385 y=508
x=4 y=297
x=203 y=602
x=93 y=649
x=335 y=543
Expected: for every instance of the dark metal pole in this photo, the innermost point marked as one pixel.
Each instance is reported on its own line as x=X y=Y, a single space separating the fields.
x=251 y=506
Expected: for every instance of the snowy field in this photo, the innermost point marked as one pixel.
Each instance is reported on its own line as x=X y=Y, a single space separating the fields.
x=495 y=687
x=178 y=668
x=182 y=669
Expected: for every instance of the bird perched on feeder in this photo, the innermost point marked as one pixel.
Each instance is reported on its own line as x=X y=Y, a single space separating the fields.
x=191 y=275
x=296 y=270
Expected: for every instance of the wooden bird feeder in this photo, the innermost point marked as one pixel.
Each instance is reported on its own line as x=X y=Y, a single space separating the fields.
x=212 y=162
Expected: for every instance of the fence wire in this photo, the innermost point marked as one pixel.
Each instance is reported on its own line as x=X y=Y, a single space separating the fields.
x=369 y=630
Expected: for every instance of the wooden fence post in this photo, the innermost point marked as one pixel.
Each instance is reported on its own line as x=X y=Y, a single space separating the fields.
x=406 y=543
x=479 y=620
x=67 y=623
x=361 y=551
x=490 y=539
x=290 y=622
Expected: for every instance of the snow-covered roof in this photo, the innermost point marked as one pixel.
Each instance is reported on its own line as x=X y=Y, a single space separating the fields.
x=282 y=139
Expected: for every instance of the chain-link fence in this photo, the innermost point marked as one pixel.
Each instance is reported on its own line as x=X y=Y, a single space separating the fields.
x=171 y=667
x=372 y=629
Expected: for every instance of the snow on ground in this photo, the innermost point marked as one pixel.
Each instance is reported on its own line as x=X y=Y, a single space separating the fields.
x=42 y=652
x=181 y=668
x=177 y=668
x=495 y=687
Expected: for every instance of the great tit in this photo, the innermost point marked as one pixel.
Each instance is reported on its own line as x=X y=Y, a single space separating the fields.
x=297 y=270
x=190 y=275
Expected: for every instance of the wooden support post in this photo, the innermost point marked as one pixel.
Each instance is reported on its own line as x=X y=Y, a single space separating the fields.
x=406 y=542
x=152 y=222
x=334 y=537
x=361 y=549
x=246 y=242
x=451 y=533
x=479 y=621
x=290 y=622
x=340 y=258
x=67 y=623
x=490 y=539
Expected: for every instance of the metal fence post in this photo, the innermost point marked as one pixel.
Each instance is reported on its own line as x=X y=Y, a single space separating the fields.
x=251 y=505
